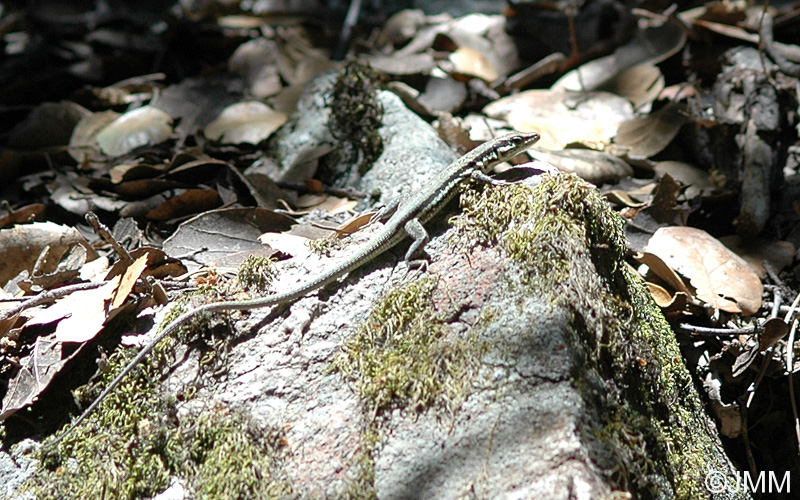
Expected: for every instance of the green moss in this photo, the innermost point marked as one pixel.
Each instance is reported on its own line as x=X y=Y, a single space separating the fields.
x=256 y=273
x=135 y=442
x=568 y=241
x=361 y=483
x=322 y=246
x=401 y=357
x=232 y=459
x=125 y=447
x=357 y=114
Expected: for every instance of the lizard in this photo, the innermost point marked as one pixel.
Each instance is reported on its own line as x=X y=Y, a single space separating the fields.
x=401 y=218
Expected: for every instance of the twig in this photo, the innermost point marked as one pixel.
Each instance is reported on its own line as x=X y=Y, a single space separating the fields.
x=104 y=233
x=724 y=332
x=350 y=21
x=48 y=296
x=771 y=273
x=787 y=67
x=789 y=361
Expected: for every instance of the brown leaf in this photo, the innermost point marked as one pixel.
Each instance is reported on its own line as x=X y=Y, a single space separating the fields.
x=21 y=245
x=132 y=274
x=645 y=136
x=596 y=167
x=228 y=235
x=664 y=208
x=722 y=278
x=189 y=202
x=35 y=374
x=290 y=244
x=88 y=311
x=774 y=330
x=779 y=254
x=659 y=268
x=23 y=215
x=641 y=84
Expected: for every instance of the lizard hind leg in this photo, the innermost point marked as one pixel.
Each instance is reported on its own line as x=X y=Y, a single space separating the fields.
x=415 y=256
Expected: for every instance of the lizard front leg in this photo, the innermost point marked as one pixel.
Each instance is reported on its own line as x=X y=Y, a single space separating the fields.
x=480 y=176
x=386 y=211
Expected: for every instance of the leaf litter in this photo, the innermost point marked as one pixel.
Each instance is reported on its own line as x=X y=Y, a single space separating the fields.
x=685 y=124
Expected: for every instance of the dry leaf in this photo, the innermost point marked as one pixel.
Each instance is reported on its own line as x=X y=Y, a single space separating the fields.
x=721 y=278
x=245 y=122
x=695 y=178
x=88 y=313
x=659 y=268
x=289 y=244
x=83 y=142
x=21 y=245
x=648 y=135
x=469 y=61
x=562 y=117
x=330 y=204
x=596 y=167
x=648 y=46
x=755 y=251
x=141 y=127
x=228 y=236
x=132 y=274
x=35 y=374
x=189 y=202
x=50 y=124
x=23 y=215
x=356 y=223
x=640 y=84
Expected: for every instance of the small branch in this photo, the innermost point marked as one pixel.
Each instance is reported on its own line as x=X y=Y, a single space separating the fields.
x=48 y=296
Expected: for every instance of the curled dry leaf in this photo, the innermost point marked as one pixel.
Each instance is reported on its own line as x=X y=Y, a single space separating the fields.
x=83 y=143
x=648 y=46
x=141 y=127
x=331 y=204
x=645 y=136
x=35 y=374
x=695 y=178
x=21 y=245
x=245 y=122
x=721 y=278
x=49 y=124
x=667 y=301
x=468 y=61
x=774 y=330
x=596 y=167
x=779 y=254
x=640 y=84
x=189 y=202
x=660 y=269
x=289 y=244
x=22 y=215
x=132 y=273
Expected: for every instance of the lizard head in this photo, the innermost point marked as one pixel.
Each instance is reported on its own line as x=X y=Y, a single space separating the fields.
x=510 y=145
x=503 y=148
